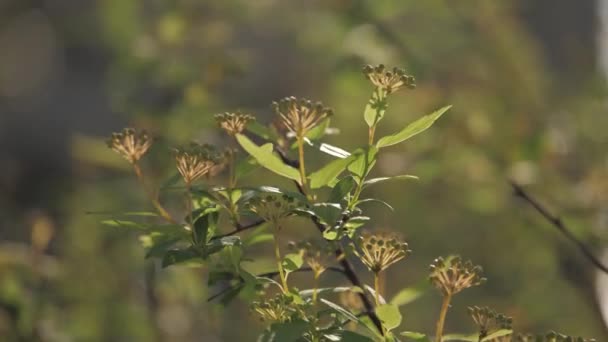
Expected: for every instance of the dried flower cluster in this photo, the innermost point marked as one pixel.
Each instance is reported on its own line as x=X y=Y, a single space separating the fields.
x=387 y=80
x=300 y=116
x=272 y=207
x=551 y=337
x=195 y=161
x=452 y=275
x=130 y=144
x=488 y=322
x=274 y=310
x=233 y=123
x=378 y=251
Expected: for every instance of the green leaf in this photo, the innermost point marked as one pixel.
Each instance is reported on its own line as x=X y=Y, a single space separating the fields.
x=497 y=334
x=389 y=315
x=319 y=131
x=180 y=256
x=308 y=293
x=410 y=294
x=384 y=179
x=330 y=234
x=266 y=158
x=340 y=310
x=204 y=227
x=285 y=332
x=416 y=336
x=244 y=167
x=368 y=200
x=157 y=244
x=412 y=129
x=341 y=189
x=261 y=131
x=364 y=161
x=461 y=337
x=143 y=227
x=375 y=108
x=329 y=172
x=292 y=262
x=350 y=336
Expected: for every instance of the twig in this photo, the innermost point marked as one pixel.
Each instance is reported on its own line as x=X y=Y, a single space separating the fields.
x=559 y=224
x=240 y=228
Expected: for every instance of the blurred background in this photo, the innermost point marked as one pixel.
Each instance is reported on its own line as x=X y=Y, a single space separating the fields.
x=527 y=80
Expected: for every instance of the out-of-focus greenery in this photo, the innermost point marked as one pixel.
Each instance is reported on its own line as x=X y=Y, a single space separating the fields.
x=172 y=65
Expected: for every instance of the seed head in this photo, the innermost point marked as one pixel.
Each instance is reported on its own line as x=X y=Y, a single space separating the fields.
x=378 y=251
x=300 y=116
x=451 y=275
x=233 y=123
x=551 y=336
x=488 y=322
x=195 y=161
x=389 y=81
x=130 y=144
x=273 y=207
x=279 y=309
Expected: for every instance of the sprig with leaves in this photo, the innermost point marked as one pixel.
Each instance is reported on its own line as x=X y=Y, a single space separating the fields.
x=202 y=238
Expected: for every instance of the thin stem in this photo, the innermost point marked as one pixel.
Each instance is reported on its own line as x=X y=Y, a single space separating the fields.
x=152 y=196
x=231 y=167
x=301 y=161
x=377 y=288
x=314 y=290
x=277 y=254
x=558 y=223
x=372 y=131
x=444 y=310
x=189 y=205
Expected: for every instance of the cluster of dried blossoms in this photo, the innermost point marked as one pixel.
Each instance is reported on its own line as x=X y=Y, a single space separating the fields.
x=488 y=321
x=233 y=123
x=273 y=207
x=130 y=144
x=195 y=161
x=300 y=116
x=452 y=275
x=388 y=80
x=275 y=310
x=378 y=251
x=551 y=337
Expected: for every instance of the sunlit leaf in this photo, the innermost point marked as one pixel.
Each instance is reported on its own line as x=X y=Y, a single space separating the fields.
x=384 y=179
x=412 y=129
x=410 y=294
x=416 y=336
x=292 y=262
x=340 y=310
x=329 y=172
x=375 y=200
x=265 y=157
x=375 y=108
x=497 y=334
x=389 y=315
x=364 y=162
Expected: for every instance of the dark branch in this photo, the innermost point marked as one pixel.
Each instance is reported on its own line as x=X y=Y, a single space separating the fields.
x=559 y=224
x=240 y=228
x=347 y=268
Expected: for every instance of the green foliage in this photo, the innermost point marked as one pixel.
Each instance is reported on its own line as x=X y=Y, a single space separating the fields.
x=203 y=239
